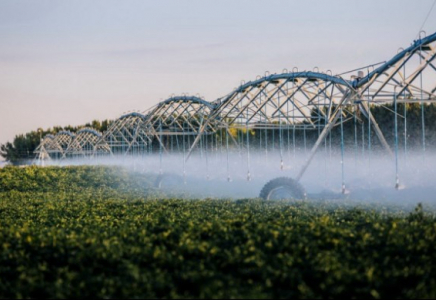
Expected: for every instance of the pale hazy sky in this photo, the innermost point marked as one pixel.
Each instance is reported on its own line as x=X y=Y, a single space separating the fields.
x=69 y=62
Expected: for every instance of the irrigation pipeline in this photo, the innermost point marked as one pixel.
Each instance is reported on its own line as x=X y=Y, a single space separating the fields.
x=303 y=106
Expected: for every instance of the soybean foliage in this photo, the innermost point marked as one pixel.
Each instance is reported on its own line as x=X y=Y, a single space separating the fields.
x=100 y=232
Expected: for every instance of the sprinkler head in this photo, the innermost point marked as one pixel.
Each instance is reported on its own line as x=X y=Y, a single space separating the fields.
x=399 y=187
x=344 y=190
x=248 y=176
x=282 y=167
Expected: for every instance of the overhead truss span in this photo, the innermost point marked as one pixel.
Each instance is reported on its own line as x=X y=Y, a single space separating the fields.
x=290 y=101
x=300 y=99
x=126 y=135
x=179 y=115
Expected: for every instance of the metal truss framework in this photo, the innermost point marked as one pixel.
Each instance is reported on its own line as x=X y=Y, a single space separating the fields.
x=302 y=99
x=388 y=83
x=126 y=135
x=180 y=115
x=63 y=139
x=297 y=100
x=410 y=75
x=270 y=102
x=47 y=147
x=87 y=143
x=54 y=147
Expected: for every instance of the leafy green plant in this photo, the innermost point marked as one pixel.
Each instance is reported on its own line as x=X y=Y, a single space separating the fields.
x=108 y=239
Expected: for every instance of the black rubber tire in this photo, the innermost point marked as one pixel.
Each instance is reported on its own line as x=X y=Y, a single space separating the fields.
x=292 y=187
x=176 y=180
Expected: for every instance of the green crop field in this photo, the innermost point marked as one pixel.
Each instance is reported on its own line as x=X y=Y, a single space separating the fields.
x=104 y=232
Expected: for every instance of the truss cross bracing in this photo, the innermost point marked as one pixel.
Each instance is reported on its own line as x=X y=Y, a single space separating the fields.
x=290 y=101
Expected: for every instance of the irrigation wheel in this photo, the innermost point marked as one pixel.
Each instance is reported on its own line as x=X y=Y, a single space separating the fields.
x=283 y=188
x=168 y=181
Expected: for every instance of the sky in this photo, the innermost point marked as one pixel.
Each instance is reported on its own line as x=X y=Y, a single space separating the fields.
x=70 y=62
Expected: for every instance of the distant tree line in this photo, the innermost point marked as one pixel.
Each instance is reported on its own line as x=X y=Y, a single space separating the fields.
x=20 y=150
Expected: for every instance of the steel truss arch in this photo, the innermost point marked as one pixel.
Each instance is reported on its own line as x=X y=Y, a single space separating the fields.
x=126 y=135
x=410 y=75
x=300 y=99
x=63 y=139
x=47 y=148
x=87 y=143
x=291 y=100
x=392 y=81
x=179 y=115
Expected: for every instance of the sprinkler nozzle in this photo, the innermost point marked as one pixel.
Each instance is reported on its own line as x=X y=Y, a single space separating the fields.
x=344 y=190
x=282 y=165
x=399 y=186
x=248 y=176
x=397 y=183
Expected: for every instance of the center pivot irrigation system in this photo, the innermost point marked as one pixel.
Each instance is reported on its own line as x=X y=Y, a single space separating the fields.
x=276 y=112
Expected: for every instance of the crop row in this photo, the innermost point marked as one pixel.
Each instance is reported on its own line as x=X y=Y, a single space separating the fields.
x=118 y=242
x=37 y=179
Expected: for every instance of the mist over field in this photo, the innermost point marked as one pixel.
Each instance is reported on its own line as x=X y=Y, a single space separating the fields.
x=367 y=176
